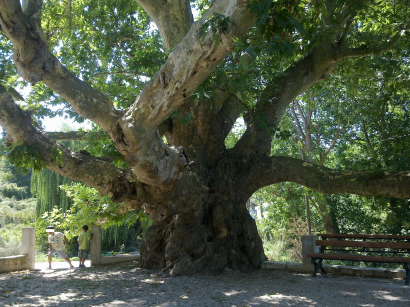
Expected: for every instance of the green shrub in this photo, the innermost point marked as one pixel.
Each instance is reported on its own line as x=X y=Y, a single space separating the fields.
x=10 y=240
x=276 y=251
x=10 y=190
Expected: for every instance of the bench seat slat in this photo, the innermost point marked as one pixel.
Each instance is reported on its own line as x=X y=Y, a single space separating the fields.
x=360 y=258
x=361 y=236
x=336 y=243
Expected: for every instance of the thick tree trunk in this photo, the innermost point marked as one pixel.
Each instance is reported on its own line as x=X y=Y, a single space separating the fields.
x=328 y=224
x=222 y=235
x=328 y=220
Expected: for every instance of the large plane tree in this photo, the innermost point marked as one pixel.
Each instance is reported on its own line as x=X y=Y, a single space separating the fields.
x=164 y=91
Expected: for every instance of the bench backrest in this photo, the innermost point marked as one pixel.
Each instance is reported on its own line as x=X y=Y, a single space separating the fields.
x=362 y=236
x=392 y=245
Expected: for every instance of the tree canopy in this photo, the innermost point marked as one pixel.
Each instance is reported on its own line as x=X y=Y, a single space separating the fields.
x=164 y=91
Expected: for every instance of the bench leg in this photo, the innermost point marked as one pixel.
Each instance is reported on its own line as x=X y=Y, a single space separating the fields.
x=406 y=267
x=318 y=265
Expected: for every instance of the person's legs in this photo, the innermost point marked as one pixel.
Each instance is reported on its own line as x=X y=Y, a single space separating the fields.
x=63 y=255
x=82 y=254
x=49 y=260
x=50 y=257
x=69 y=262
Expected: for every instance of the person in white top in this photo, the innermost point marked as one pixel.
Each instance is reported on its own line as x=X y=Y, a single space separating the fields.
x=56 y=244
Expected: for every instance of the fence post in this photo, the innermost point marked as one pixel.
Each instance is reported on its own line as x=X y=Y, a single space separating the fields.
x=95 y=246
x=308 y=247
x=28 y=243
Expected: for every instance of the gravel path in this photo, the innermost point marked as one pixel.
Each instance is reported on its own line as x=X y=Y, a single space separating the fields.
x=128 y=285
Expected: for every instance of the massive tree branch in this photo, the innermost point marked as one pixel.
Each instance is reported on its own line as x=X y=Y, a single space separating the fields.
x=194 y=59
x=227 y=115
x=32 y=11
x=295 y=80
x=35 y=63
x=77 y=135
x=279 y=93
x=134 y=134
x=172 y=17
x=120 y=184
x=68 y=135
x=270 y=170
x=341 y=54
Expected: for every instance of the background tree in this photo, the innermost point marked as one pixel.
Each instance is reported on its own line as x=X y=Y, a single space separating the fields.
x=349 y=213
x=17 y=208
x=166 y=146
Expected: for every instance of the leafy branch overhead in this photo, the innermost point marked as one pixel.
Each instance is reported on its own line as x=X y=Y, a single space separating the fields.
x=28 y=157
x=217 y=25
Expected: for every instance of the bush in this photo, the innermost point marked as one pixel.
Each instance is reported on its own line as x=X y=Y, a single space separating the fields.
x=10 y=240
x=288 y=247
x=17 y=211
x=10 y=190
x=276 y=251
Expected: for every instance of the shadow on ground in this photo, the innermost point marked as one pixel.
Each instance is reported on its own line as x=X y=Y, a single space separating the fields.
x=127 y=285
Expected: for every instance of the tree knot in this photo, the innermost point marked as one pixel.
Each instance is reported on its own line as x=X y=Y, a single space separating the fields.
x=163 y=79
x=120 y=138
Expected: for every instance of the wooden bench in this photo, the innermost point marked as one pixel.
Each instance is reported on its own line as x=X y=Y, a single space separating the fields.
x=366 y=248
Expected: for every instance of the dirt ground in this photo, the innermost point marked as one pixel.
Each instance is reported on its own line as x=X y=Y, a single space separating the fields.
x=127 y=285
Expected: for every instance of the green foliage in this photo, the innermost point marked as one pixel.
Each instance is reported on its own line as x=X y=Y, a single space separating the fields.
x=100 y=144
x=56 y=156
x=15 y=214
x=202 y=6
x=45 y=186
x=68 y=205
x=287 y=245
x=88 y=208
x=276 y=250
x=10 y=239
x=371 y=214
x=368 y=101
x=11 y=174
x=217 y=24
x=277 y=17
x=28 y=157
x=17 y=209
x=117 y=66
x=146 y=223
x=56 y=218
x=12 y=190
x=283 y=202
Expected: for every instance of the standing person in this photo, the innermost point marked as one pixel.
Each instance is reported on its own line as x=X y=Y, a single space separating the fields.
x=56 y=242
x=84 y=241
